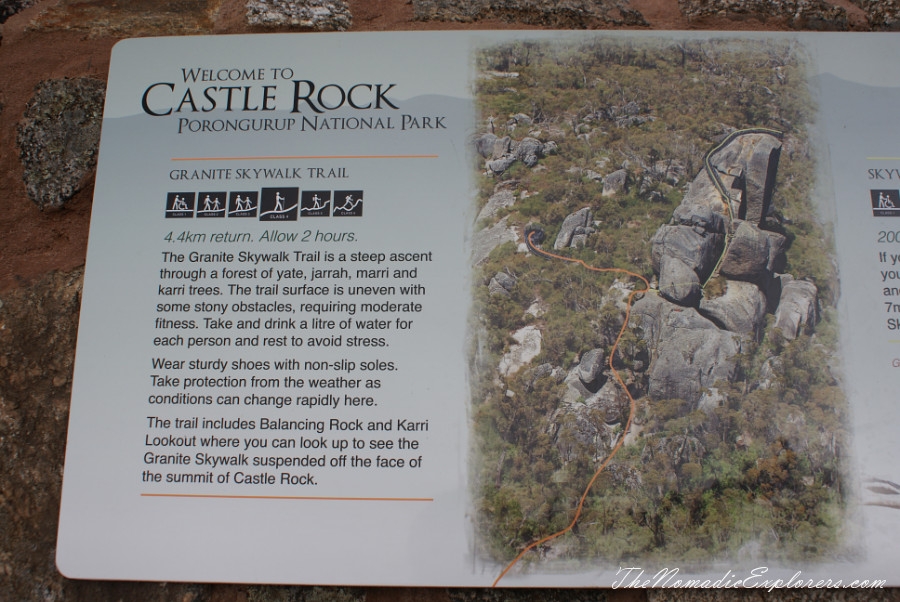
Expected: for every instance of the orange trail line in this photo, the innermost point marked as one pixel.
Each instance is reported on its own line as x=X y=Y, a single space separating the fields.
x=632 y=406
x=290 y=497
x=275 y=157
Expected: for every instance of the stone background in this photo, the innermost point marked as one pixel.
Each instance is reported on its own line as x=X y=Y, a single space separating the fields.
x=54 y=55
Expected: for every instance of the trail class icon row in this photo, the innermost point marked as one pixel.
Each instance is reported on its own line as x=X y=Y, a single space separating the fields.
x=268 y=204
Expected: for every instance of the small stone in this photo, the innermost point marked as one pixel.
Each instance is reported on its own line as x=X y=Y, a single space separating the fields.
x=320 y=15
x=615 y=183
x=580 y=218
x=58 y=138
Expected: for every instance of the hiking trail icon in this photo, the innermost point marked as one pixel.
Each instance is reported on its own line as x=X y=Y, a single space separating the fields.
x=279 y=204
x=351 y=203
x=315 y=203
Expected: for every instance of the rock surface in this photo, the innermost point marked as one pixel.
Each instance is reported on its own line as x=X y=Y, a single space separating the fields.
x=586 y=378
x=484 y=144
x=572 y=14
x=486 y=240
x=691 y=353
x=502 y=153
x=881 y=15
x=502 y=198
x=748 y=166
x=694 y=247
x=798 y=310
x=58 y=139
x=320 y=15
x=615 y=183
x=742 y=309
x=574 y=224
x=753 y=253
x=501 y=284
x=693 y=332
x=104 y=18
x=806 y=14
x=677 y=281
x=526 y=348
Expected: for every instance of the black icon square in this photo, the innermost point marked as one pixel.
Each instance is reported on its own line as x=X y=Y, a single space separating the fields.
x=885 y=203
x=180 y=204
x=278 y=205
x=211 y=204
x=243 y=204
x=315 y=203
x=348 y=203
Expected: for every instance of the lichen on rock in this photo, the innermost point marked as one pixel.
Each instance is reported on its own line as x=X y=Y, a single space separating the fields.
x=883 y=16
x=575 y=14
x=799 y=14
x=320 y=15
x=58 y=138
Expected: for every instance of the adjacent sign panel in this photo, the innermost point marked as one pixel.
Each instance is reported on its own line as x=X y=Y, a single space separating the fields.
x=480 y=308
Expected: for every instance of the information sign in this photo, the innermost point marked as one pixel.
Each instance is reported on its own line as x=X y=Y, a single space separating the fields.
x=608 y=309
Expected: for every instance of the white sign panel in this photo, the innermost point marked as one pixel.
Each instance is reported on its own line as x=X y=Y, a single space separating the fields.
x=473 y=309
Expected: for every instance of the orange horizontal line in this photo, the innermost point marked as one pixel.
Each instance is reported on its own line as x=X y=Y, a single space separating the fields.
x=291 y=497
x=275 y=157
